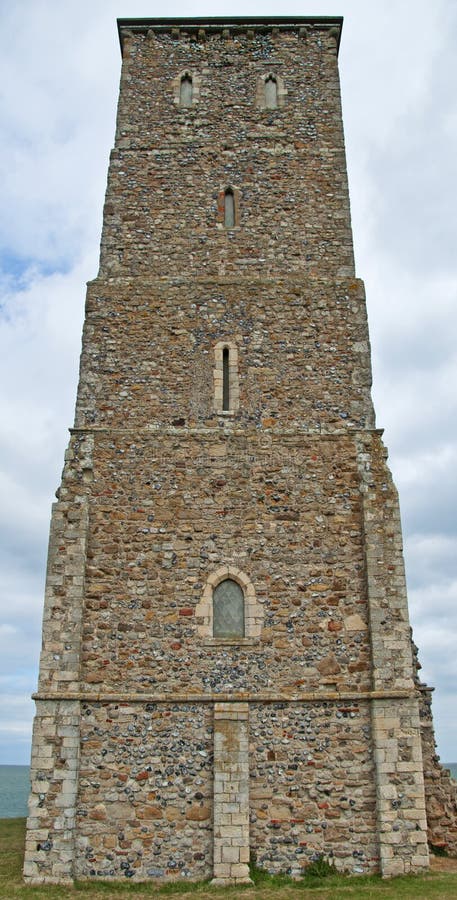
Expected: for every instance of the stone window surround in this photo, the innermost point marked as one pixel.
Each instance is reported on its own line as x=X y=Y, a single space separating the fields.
x=260 y=102
x=253 y=611
x=260 y=92
x=196 y=84
x=218 y=376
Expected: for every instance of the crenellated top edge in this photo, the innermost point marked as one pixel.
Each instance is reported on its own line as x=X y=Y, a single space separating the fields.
x=234 y=25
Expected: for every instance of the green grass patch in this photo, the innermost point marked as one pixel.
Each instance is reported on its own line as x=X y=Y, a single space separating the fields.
x=319 y=883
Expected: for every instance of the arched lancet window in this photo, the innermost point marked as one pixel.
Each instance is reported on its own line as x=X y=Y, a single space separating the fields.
x=229 y=208
x=186 y=90
x=271 y=92
x=226 y=378
x=228 y=609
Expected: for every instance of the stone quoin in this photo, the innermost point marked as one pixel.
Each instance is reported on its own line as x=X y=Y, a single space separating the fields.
x=227 y=668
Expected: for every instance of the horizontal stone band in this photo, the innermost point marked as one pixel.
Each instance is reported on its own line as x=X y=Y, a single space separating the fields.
x=239 y=697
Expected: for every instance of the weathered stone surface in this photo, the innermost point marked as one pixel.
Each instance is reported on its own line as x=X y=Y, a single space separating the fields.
x=198 y=813
x=329 y=665
x=162 y=750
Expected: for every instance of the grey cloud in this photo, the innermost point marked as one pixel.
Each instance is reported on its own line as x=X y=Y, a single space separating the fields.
x=416 y=216
x=431 y=509
x=430 y=559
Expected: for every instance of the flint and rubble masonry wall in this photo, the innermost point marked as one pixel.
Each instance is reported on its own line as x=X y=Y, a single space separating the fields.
x=159 y=492
x=286 y=510
x=146 y=789
x=169 y=163
x=292 y=515
x=145 y=799
x=303 y=352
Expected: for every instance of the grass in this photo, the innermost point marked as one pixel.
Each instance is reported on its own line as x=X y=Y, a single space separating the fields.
x=434 y=886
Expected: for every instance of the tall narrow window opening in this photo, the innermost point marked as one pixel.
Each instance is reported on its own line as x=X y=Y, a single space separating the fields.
x=229 y=208
x=185 y=92
x=225 y=379
x=271 y=92
x=228 y=609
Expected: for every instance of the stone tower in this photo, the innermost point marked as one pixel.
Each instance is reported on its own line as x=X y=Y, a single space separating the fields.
x=226 y=666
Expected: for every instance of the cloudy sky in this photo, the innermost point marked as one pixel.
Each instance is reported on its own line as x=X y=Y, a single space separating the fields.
x=59 y=72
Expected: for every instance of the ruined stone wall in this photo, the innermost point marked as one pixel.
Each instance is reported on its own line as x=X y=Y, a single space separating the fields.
x=440 y=788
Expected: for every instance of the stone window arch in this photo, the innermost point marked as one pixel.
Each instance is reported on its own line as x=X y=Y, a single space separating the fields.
x=226 y=378
x=228 y=208
x=252 y=618
x=271 y=91
x=186 y=89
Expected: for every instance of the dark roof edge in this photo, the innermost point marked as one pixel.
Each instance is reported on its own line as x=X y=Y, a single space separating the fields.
x=237 y=23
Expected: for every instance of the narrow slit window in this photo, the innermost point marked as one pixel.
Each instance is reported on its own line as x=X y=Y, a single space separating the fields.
x=271 y=92
x=228 y=610
x=229 y=209
x=225 y=379
x=185 y=93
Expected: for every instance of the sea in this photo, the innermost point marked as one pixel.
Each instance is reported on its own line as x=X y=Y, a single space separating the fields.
x=15 y=786
x=14 y=791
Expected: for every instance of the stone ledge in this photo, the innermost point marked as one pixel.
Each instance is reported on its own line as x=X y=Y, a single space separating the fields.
x=177 y=280
x=191 y=431
x=235 y=697
x=230 y=642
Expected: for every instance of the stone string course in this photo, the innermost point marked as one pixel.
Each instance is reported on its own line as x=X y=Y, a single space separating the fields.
x=161 y=752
